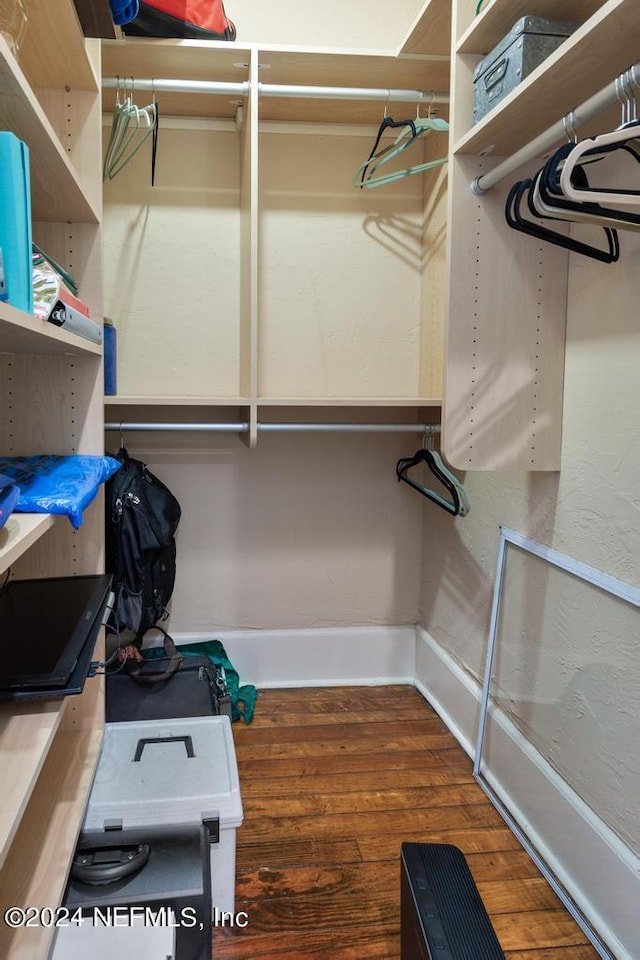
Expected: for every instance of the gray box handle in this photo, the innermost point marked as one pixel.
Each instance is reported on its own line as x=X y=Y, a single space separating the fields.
x=146 y=741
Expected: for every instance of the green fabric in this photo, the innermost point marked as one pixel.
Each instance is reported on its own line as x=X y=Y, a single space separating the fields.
x=243 y=697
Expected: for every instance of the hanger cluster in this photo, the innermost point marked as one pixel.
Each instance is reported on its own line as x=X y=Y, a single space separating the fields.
x=130 y=128
x=563 y=189
x=410 y=132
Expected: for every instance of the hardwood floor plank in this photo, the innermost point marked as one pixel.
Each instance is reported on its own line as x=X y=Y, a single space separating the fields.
x=470 y=841
x=581 y=952
x=353 y=695
x=547 y=929
x=528 y=892
x=296 y=853
x=374 y=941
x=494 y=843
x=363 y=801
x=449 y=756
x=341 y=826
x=306 y=784
x=331 y=747
x=344 y=730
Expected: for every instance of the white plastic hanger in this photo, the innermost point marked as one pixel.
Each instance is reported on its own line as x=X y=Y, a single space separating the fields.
x=589 y=148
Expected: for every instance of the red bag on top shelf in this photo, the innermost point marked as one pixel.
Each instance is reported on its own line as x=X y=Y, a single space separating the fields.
x=182 y=19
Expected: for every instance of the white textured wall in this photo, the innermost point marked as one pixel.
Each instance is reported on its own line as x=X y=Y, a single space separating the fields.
x=590 y=511
x=354 y=24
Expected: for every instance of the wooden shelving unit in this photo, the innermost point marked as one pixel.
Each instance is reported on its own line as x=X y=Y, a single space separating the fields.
x=502 y=406
x=51 y=397
x=576 y=70
x=290 y=308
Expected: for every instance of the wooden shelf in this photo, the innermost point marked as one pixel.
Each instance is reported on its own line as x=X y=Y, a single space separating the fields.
x=129 y=401
x=317 y=67
x=53 y=27
x=56 y=190
x=430 y=33
x=36 y=867
x=165 y=59
x=349 y=402
x=496 y=19
x=600 y=49
x=23 y=333
x=19 y=533
x=277 y=65
x=26 y=733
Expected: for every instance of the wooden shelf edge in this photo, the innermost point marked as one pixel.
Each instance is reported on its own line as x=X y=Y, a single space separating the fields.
x=496 y=19
x=349 y=402
x=133 y=401
x=20 y=532
x=557 y=84
x=25 y=333
x=37 y=865
x=26 y=734
x=430 y=32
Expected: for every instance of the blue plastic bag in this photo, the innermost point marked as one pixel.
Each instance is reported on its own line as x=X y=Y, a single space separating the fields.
x=57 y=484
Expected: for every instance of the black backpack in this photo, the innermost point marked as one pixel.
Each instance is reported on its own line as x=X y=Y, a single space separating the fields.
x=142 y=516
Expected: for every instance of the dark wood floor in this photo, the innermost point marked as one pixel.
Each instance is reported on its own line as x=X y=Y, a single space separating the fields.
x=333 y=780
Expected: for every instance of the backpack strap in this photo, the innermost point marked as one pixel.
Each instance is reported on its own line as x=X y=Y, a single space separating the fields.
x=134 y=667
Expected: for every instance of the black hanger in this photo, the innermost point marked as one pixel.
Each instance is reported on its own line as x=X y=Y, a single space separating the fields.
x=385 y=124
x=459 y=503
x=516 y=220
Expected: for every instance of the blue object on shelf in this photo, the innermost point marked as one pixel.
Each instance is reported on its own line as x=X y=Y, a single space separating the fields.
x=124 y=11
x=15 y=222
x=109 y=349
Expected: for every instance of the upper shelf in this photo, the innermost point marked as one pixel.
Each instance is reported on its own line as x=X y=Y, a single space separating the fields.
x=603 y=47
x=201 y=60
x=24 y=333
x=496 y=19
x=177 y=60
x=56 y=190
x=430 y=33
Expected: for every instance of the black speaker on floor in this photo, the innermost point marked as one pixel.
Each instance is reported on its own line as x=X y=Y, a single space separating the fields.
x=442 y=916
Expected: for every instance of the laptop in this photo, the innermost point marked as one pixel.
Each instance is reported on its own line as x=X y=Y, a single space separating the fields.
x=48 y=629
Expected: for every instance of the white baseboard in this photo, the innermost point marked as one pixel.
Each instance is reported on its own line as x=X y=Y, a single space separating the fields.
x=331 y=656
x=598 y=871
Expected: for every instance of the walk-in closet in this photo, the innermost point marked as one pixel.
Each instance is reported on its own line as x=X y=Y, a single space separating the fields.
x=327 y=275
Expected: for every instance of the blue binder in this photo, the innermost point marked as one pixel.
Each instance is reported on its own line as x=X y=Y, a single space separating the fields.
x=15 y=222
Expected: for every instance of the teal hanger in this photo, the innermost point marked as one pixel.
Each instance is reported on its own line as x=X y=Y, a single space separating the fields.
x=406 y=137
x=130 y=128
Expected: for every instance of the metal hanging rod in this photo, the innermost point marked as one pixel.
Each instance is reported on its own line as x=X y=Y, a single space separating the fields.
x=277 y=90
x=605 y=98
x=243 y=427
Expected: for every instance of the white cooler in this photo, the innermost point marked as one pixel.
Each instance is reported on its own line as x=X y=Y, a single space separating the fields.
x=164 y=772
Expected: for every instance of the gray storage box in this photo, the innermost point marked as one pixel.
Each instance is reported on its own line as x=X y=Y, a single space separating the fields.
x=165 y=772
x=527 y=44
